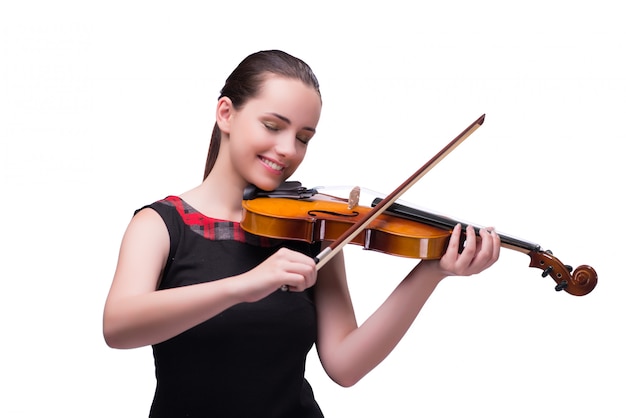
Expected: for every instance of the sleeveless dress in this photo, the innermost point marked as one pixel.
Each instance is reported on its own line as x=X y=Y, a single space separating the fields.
x=249 y=360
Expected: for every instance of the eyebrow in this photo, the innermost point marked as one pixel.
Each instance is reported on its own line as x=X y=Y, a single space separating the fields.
x=287 y=121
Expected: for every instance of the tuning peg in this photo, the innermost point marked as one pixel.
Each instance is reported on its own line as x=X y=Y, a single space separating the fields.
x=547 y=271
x=561 y=286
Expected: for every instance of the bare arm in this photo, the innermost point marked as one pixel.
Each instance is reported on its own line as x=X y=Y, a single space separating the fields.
x=349 y=352
x=137 y=314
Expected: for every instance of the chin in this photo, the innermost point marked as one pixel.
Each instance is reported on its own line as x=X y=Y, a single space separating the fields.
x=267 y=185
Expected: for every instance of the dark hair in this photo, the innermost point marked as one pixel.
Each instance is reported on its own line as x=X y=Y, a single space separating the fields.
x=246 y=81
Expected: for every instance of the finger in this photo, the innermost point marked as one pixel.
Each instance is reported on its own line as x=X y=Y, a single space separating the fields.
x=485 y=252
x=497 y=243
x=296 y=270
x=453 y=249
x=469 y=250
x=458 y=257
x=490 y=248
x=300 y=275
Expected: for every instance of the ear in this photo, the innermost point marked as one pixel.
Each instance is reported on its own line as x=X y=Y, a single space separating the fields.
x=224 y=113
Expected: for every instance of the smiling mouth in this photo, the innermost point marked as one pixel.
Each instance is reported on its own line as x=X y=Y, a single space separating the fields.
x=272 y=164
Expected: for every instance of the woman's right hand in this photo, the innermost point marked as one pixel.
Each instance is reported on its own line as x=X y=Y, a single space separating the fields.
x=284 y=268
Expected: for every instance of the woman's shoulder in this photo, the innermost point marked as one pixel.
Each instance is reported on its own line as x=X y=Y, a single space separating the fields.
x=170 y=201
x=158 y=214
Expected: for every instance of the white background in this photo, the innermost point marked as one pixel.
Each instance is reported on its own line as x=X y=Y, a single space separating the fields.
x=107 y=106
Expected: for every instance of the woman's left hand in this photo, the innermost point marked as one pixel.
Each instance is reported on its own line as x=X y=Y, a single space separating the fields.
x=478 y=252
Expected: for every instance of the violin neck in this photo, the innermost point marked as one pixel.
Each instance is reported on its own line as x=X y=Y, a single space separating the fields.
x=444 y=222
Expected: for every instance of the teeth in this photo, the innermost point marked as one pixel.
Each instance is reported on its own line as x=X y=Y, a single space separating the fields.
x=272 y=164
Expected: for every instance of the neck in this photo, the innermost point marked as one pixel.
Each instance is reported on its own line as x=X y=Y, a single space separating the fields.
x=218 y=197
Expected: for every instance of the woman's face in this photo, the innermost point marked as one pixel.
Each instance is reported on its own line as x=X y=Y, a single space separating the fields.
x=268 y=136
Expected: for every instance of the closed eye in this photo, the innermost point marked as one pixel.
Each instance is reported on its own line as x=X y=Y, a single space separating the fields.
x=304 y=139
x=271 y=126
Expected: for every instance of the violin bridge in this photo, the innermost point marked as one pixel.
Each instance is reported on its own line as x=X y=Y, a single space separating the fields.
x=353 y=199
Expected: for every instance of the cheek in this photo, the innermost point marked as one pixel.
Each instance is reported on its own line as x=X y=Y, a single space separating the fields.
x=297 y=160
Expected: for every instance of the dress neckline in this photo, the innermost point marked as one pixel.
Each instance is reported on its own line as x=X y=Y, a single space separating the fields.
x=215 y=229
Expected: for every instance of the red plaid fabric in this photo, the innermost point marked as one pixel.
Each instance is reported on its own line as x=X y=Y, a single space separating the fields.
x=215 y=229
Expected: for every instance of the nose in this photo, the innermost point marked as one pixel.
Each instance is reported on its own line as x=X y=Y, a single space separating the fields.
x=286 y=144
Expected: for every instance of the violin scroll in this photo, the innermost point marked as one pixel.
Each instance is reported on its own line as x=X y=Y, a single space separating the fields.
x=579 y=283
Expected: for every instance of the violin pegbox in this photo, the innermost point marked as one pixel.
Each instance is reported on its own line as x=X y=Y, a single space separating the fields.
x=579 y=283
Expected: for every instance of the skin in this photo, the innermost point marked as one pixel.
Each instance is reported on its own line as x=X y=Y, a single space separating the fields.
x=263 y=143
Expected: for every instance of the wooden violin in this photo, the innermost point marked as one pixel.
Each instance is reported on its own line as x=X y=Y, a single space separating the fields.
x=307 y=215
x=384 y=226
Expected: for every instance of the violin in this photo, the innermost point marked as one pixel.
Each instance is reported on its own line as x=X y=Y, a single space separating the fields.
x=297 y=213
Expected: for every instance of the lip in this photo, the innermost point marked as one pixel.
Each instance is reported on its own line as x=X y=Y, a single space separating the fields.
x=272 y=165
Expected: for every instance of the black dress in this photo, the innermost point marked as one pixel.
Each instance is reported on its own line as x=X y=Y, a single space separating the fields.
x=249 y=360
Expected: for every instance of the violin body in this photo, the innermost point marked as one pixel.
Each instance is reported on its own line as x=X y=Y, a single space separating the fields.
x=321 y=218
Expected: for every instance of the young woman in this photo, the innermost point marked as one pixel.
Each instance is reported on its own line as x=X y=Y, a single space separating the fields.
x=206 y=295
